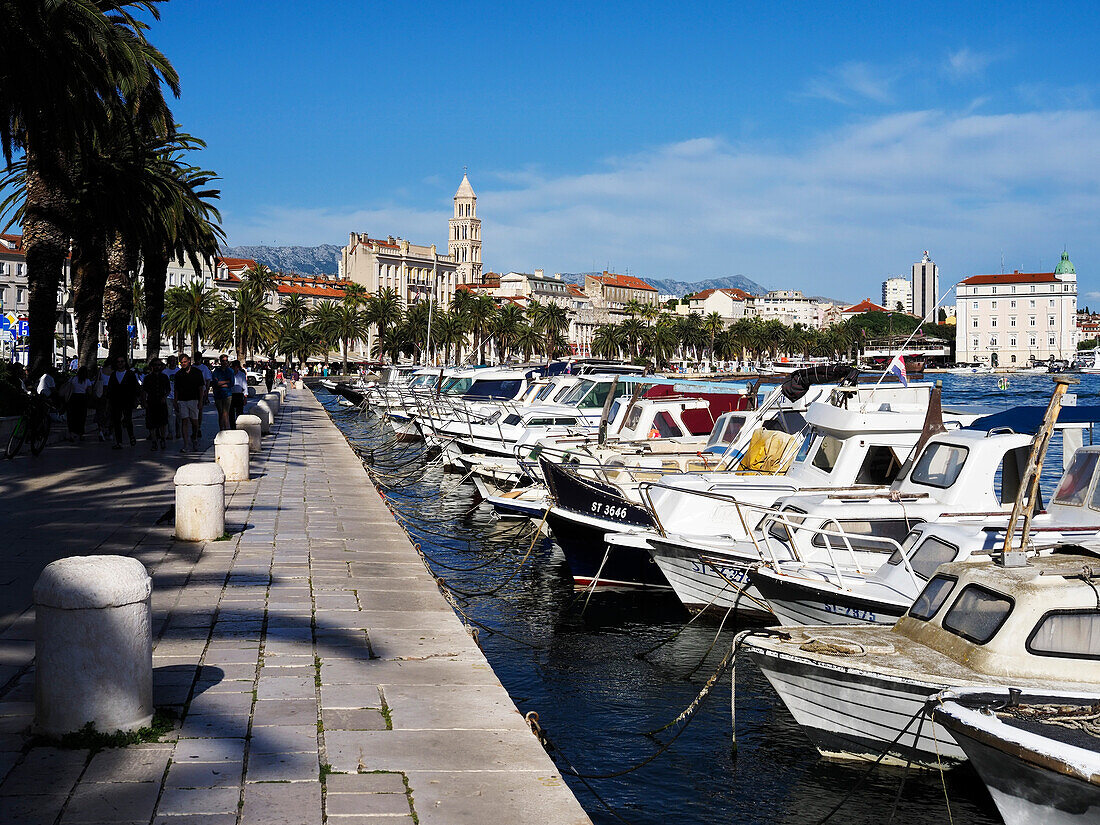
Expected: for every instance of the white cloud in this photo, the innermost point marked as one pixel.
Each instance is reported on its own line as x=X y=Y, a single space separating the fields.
x=851 y=83
x=966 y=63
x=833 y=216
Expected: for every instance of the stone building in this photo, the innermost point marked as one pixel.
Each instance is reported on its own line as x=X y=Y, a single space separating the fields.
x=897 y=294
x=613 y=292
x=1016 y=318
x=926 y=286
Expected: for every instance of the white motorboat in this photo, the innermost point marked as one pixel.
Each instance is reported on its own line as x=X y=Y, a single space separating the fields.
x=860 y=691
x=1038 y=753
x=974 y=368
x=830 y=592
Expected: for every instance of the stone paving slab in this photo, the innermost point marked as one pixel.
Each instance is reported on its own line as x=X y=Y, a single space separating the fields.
x=318 y=673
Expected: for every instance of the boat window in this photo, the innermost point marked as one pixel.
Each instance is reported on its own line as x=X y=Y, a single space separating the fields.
x=807 y=444
x=565 y=422
x=539 y=422
x=939 y=465
x=826 y=455
x=497 y=388
x=880 y=466
x=977 y=614
x=544 y=392
x=596 y=398
x=666 y=427
x=512 y=419
x=577 y=392
x=792 y=518
x=1006 y=480
x=933 y=596
x=865 y=534
x=456 y=386
x=1071 y=633
x=634 y=417
x=913 y=537
x=1074 y=486
x=930 y=555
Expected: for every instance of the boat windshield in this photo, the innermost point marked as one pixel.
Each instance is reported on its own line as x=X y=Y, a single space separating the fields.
x=423 y=380
x=494 y=388
x=827 y=454
x=545 y=392
x=578 y=392
x=933 y=596
x=928 y=556
x=1075 y=482
x=455 y=386
x=977 y=614
x=939 y=465
x=730 y=429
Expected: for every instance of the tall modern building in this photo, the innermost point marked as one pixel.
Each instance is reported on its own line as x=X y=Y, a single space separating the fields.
x=926 y=286
x=897 y=294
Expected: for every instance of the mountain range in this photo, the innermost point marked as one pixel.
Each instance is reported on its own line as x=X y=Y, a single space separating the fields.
x=321 y=260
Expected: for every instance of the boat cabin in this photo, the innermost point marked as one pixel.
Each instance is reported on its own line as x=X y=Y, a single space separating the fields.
x=1037 y=621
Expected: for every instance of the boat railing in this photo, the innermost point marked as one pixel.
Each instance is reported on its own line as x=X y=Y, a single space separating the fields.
x=745 y=510
x=836 y=541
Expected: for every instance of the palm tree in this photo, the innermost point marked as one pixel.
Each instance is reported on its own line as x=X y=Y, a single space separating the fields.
x=355 y=295
x=649 y=312
x=247 y=313
x=633 y=308
x=343 y=323
x=528 y=339
x=66 y=65
x=660 y=342
x=294 y=311
x=480 y=314
x=633 y=331
x=549 y=319
x=299 y=341
x=260 y=279
x=607 y=341
x=507 y=325
x=189 y=311
x=384 y=312
x=449 y=330
x=713 y=325
x=322 y=320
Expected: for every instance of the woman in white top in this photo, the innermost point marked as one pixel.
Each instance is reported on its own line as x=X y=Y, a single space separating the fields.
x=240 y=390
x=76 y=410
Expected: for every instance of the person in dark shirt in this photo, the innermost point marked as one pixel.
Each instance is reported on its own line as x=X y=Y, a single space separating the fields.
x=190 y=386
x=122 y=393
x=269 y=376
x=222 y=389
x=156 y=389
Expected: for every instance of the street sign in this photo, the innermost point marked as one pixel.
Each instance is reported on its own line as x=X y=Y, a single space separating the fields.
x=131 y=330
x=22 y=328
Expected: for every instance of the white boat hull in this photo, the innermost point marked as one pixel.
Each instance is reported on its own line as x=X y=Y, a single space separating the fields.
x=850 y=714
x=709 y=585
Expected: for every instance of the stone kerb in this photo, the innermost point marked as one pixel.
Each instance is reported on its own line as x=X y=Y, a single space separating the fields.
x=93 y=645
x=250 y=424
x=200 y=502
x=231 y=454
x=262 y=410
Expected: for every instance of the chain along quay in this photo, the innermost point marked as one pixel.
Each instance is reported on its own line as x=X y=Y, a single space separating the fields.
x=631 y=690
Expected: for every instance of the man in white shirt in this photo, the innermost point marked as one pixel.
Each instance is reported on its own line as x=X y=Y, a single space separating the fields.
x=46 y=384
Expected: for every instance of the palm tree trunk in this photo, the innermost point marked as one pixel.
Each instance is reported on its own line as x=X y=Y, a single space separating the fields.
x=118 y=297
x=89 y=280
x=156 y=277
x=345 y=343
x=46 y=243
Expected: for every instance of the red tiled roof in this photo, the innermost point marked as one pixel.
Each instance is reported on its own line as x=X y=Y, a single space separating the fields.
x=733 y=292
x=313 y=291
x=366 y=240
x=236 y=263
x=864 y=306
x=576 y=291
x=13 y=239
x=626 y=281
x=1011 y=278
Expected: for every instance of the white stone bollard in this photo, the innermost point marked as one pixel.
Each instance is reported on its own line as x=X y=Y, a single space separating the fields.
x=275 y=402
x=231 y=454
x=250 y=424
x=299 y=384
x=92 y=645
x=281 y=390
x=262 y=410
x=200 y=502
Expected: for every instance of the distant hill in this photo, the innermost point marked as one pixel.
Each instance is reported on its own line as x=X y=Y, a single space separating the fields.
x=321 y=260
x=305 y=260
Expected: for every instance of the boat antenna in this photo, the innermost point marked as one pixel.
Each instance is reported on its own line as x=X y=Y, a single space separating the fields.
x=1024 y=506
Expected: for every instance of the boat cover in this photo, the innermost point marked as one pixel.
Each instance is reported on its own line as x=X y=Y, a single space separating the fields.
x=1029 y=419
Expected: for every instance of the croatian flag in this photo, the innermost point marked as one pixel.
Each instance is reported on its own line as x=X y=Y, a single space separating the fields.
x=897 y=366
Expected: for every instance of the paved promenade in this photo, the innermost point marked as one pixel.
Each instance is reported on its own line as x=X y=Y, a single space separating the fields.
x=316 y=672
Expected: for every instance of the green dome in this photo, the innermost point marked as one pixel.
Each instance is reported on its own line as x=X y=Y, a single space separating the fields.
x=1065 y=266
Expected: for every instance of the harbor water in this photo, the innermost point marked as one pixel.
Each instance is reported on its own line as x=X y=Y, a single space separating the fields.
x=581 y=664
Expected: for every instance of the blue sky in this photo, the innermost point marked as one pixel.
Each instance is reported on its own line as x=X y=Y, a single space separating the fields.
x=804 y=145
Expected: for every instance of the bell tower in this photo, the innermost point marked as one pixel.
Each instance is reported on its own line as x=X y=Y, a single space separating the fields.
x=464 y=240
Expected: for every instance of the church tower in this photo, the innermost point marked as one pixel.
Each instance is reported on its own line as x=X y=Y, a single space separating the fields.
x=465 y=236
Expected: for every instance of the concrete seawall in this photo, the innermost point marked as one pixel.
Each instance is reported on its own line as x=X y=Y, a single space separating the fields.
x=314 y=669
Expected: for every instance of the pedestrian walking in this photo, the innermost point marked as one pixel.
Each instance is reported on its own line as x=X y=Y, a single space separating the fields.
x=190 y=385
x=76 y=407
x=208 y=379
x=155 y=390
x=269 y=376
x=173 y=430
x=102 y=402
x=222 y=389
x=240 y=390
x=122 y=394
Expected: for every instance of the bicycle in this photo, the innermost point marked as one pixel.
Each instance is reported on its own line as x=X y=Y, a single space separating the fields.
x=35 y=423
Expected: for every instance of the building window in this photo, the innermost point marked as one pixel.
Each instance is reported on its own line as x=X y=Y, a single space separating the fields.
x=993 y=340
x=1052 y=302
x=994 y=304
x=993 y=321
x=1012 y=304
x=1012 y=359
x=1050 y=340
x=1050 y=321
x=1012 y=320
x=1031 y=320
x=975 y=305
x=1031 y=341
x=1031 y=303
x=974 y=323
x=1012 y=342
x=1032 y=288
x=20 y=295
x=974 y=344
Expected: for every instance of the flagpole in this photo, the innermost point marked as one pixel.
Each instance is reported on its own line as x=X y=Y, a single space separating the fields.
x=924 y=320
